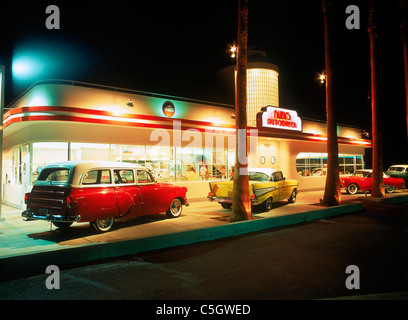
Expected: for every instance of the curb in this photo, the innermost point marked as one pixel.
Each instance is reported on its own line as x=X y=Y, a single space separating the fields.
x=401 y=295
x=387 y=199
x=16 y=267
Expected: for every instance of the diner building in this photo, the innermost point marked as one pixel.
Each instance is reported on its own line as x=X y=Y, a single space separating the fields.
x=183 y=141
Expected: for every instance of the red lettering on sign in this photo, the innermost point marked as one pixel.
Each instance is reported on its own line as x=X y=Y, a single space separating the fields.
x=281 y=118
x=282 y=115
x=285 y=122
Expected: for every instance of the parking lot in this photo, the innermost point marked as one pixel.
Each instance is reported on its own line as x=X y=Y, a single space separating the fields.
x=41 y=243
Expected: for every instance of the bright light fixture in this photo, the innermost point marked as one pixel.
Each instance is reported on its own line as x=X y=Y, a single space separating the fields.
x=322 y=78
x=233 y=51
x=26 y=67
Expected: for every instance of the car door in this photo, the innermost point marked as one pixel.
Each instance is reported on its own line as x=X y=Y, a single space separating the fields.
x=280 y=181
x=151 y=195
x=96 y=199
x=127 y=192
x=367 y=181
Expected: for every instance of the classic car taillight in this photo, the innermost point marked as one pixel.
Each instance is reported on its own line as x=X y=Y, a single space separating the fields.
x=26 y=197
x=68 y=200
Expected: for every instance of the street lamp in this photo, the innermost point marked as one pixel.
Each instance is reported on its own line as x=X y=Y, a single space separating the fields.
x=233 y=51
x=322 y=78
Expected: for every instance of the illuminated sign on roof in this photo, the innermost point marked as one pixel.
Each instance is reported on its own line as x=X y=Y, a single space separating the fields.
x=279 y=118
x=168 y=109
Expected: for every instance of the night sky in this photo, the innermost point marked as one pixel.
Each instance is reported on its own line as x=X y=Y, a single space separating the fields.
x=177 y=47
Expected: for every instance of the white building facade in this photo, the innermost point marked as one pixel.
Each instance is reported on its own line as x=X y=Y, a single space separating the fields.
x=182 y=141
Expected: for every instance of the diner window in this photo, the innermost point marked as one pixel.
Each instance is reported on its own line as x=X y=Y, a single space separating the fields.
x=315 y=164
x=359 y=163
x=16 y=165
x=190 y=163
x=178 y=163
x=97 y=177
x=45 y=153
x=165 y=163
x=128 y=153
x=89 y=151
x=160 y=160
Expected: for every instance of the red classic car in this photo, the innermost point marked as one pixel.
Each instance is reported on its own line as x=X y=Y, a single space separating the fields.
x=362 y=180
x=99 y=193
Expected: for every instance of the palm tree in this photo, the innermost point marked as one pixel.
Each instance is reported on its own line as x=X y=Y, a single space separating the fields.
x=404 y=39
x=332 y=195
x=241 y=205
x=378 y=190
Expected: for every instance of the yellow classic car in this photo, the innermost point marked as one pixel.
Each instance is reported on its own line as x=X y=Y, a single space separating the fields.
x=266 y=186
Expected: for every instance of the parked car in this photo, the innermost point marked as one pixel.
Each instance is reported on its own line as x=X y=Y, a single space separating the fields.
x=99 y=193
x=362 y=180
x=266 y=186
x=399 y=171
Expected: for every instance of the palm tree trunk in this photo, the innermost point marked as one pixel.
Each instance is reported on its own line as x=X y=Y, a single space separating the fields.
x=378 y=180
x=241 y=205
x=405 y=50
x=332 y=194
x=404 y=39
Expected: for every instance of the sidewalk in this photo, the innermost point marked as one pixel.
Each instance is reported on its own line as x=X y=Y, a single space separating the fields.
x=27 y=248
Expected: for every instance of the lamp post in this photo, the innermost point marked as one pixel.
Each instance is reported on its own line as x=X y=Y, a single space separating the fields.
x=2 y=83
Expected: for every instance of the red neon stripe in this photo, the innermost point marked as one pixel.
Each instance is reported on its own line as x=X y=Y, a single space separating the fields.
x=102 y=121
x=109 y=114
x=276 y=133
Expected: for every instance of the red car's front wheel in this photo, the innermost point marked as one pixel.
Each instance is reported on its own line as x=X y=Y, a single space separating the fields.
x=175 y=208
x=352 y=188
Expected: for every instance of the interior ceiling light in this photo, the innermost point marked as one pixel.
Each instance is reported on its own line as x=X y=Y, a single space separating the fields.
x=130 y=103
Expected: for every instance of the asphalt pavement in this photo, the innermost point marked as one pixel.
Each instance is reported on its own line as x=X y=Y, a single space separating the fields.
x=27 y=248
x=303 y=262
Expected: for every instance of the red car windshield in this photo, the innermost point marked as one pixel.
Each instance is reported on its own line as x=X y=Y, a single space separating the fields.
x=396 y=169
x=362 y=174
